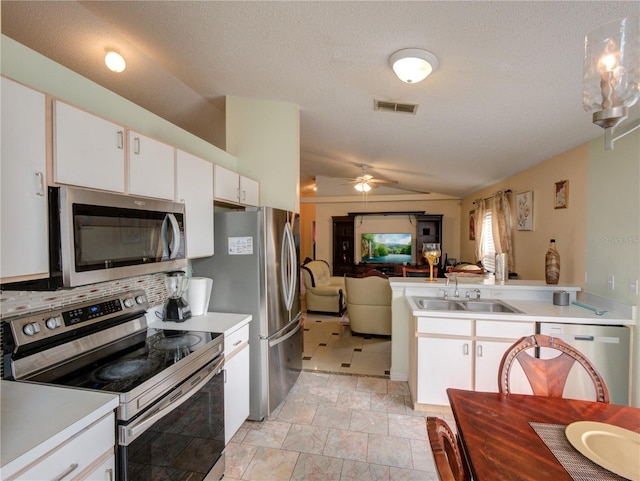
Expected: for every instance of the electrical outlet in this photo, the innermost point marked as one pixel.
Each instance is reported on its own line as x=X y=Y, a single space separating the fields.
x=633 y=287
x=611 y=284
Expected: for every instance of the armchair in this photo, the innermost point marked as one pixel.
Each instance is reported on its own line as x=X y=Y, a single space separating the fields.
x=369 y=304
x=324 y=292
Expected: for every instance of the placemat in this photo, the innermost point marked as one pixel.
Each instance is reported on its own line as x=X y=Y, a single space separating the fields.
x=579 y=467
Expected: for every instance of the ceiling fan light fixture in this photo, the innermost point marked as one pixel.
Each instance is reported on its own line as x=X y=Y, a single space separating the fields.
x=362 y=187
x=412 y=65
x=114 y=61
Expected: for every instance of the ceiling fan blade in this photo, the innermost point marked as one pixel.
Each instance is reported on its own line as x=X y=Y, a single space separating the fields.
x=383 y=181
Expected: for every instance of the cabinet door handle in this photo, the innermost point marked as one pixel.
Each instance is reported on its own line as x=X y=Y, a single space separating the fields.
x=479 y=350
x=465 y=349
x=120 y=139
x=66 y=473
x=237 y=342
x=244 y=195
x=109 y=474
x=136 y=148
x=40 y=177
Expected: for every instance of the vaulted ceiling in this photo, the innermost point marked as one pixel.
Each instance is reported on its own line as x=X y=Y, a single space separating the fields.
x=507 y=93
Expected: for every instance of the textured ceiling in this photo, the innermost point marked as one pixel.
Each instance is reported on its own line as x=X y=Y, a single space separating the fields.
x=507 y=93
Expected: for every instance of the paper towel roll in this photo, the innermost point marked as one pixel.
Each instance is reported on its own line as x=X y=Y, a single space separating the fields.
x=199 y=294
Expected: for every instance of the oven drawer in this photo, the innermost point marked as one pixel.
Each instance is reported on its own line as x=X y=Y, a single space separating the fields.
x=74 y=455
x=236 y=341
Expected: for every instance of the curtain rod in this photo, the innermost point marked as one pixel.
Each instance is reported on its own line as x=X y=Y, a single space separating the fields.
x=508 y=191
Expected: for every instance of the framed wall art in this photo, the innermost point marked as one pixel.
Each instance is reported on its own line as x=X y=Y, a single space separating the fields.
x=524 y=211
x=561 y=195
x=472 y=225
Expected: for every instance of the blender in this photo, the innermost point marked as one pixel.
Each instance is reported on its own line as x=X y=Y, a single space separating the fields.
x=176 y=308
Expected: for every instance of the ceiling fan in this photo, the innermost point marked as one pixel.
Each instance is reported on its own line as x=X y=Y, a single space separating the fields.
x=365 y=182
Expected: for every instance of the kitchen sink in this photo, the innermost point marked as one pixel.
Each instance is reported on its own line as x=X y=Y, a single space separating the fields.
x=492 y=305
x=488 y=306
x=438 y=304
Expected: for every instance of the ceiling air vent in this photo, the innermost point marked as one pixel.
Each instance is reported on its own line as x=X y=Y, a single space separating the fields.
x=394 y=106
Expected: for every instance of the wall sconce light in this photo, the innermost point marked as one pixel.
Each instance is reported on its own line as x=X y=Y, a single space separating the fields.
x=413 y=65
x=611 y=79
x=114 y=61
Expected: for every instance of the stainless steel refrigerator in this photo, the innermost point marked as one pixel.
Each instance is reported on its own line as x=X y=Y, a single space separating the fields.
x=255 y=271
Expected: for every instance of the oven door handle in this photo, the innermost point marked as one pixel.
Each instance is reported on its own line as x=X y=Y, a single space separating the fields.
x=130 y=432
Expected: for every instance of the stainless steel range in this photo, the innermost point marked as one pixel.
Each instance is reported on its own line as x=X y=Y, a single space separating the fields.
x=170 y=383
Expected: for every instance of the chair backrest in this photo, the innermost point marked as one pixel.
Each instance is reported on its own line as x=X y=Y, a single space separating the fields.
x=371 y=289
x=446 y=451
x=315 y=273
x=417 y=272
x=548 y=377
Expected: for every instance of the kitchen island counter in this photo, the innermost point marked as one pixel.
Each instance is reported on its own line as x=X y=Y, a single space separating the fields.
x=37 y=418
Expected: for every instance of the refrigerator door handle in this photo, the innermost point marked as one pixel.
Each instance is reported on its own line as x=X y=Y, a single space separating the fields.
x=279 y=340
x=288 y=271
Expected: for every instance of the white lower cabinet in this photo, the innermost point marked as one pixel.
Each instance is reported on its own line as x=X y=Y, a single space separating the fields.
x=236 y=388
x=462 y=354
x=76 y=457
x=106 y=470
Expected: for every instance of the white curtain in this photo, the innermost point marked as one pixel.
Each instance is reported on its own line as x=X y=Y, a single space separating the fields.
x=481 y=208
x=501 y=226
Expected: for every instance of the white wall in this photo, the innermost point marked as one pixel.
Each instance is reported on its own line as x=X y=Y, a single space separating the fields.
x=264 y=136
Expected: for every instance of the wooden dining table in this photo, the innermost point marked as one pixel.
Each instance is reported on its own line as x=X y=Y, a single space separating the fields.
x=500 y=444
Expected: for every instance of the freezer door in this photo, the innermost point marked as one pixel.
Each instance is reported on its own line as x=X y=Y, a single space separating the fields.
x=607 y=347
x=285 y=361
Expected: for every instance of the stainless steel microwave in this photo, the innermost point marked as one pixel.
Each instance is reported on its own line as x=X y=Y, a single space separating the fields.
x=97 y=237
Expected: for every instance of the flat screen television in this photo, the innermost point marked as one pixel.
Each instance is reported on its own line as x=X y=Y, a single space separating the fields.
x=385 y=248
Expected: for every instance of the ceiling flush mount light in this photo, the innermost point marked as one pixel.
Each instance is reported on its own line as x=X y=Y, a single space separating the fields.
x=611 y=79
x=114 y=61
x=413 y=65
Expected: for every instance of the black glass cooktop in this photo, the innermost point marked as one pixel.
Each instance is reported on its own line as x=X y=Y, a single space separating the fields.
x=129 y=368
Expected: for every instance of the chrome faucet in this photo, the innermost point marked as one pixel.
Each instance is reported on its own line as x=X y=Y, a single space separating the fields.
x=477 y=293
x=456 y=293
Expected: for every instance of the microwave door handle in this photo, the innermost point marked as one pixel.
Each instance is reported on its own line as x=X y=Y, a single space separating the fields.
x=175 y=241
x=164 y=238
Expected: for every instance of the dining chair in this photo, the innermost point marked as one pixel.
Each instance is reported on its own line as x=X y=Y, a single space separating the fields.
x=547 y=377
x=417 y=272
x=446 y=451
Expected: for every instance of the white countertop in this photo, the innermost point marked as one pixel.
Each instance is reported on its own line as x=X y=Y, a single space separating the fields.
x=37 y=418
x=539 y=311
x=223 y=322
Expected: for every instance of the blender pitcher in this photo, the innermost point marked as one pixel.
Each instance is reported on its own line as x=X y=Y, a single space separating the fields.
x=176 y=308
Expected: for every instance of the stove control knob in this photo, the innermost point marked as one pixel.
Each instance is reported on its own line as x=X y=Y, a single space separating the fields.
x=140 y=299
x=53 y=323
x=129 y=302
x=31 y=328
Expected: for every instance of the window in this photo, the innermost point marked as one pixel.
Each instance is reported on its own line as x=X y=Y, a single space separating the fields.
x=489 y=258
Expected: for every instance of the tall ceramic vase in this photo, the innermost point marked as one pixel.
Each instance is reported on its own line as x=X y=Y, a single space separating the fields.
x=552 y=264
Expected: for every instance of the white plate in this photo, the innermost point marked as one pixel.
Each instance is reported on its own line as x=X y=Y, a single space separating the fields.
x=612 y=447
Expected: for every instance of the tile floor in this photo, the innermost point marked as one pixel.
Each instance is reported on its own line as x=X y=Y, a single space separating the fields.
x=329 y=346
x=337 y=426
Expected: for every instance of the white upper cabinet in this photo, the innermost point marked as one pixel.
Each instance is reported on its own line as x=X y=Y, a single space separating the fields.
x=249 y=191
x=151 y=167
x=88 y=151
x=232 y=187
x=23 y=188
x=194 y=187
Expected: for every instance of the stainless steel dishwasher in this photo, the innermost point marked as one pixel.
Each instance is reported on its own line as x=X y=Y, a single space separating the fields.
x=607 y=347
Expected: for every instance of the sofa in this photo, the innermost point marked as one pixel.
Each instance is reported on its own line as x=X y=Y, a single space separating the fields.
x=323 y=292
x=369 y=304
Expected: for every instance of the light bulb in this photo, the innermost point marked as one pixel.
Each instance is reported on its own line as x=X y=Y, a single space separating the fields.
x=114 y=61
x=363 y=187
